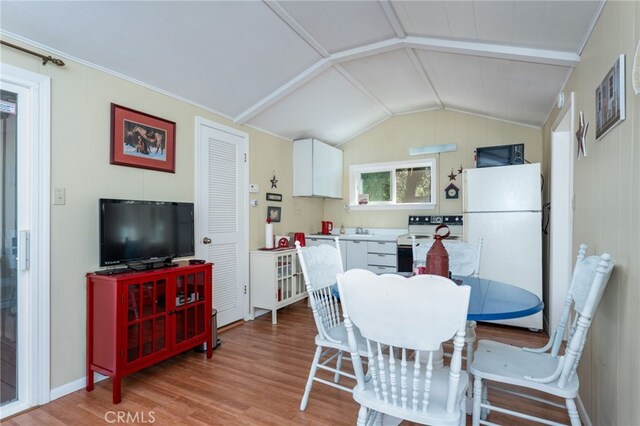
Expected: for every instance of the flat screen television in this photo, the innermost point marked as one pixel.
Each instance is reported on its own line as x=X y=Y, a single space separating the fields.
x=136 y=232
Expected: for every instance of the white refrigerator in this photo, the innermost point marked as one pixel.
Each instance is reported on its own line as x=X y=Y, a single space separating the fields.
x=503 y=206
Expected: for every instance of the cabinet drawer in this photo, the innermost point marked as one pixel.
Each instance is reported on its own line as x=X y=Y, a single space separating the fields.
x=382 y=247
x=381 y=259
x=383 y=269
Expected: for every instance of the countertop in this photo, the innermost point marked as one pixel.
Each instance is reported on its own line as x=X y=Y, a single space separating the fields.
x=387 y=235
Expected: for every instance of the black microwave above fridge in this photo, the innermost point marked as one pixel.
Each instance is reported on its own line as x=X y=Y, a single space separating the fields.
x=501 y=155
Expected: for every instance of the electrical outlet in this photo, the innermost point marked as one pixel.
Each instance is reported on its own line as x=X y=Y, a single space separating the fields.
x=253 y=188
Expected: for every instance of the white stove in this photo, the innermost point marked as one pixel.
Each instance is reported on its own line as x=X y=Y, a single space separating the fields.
x=424 y=227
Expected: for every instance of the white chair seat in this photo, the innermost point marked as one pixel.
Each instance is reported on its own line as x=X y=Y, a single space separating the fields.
x=436 y=413
x=339 y=333
x=510 y=364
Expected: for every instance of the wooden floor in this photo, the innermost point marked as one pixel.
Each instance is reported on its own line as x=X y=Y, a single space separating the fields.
x=256 y=377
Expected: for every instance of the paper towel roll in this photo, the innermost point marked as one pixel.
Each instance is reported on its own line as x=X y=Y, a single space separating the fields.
x=268 y=235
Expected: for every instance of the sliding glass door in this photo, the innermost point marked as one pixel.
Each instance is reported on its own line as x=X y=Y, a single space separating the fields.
x=24 y=239
x=9 y=249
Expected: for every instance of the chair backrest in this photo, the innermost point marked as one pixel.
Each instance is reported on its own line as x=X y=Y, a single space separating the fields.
x=589 y=279
x=412 y=317
x=320 y=265
x=464 y=258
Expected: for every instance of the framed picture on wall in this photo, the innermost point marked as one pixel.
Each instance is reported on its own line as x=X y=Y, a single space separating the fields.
x=273 y=213
x=610 y=102
x=142 y=140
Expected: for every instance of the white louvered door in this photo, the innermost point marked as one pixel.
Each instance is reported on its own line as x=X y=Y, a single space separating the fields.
x=222 y=216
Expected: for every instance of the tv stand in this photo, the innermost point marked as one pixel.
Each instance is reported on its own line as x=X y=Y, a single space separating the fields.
x=137 y=319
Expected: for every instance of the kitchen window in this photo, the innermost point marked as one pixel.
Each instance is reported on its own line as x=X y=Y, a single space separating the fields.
x=398 y=185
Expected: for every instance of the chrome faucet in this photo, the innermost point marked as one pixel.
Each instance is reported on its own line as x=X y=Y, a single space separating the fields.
x=360 y=231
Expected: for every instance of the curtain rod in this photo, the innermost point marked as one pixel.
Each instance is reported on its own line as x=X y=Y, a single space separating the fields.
x=45 y=59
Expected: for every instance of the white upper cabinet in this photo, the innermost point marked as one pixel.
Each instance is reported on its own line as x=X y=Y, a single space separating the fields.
x=317 y=169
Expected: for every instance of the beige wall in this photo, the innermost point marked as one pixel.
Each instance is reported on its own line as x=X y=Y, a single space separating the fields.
x=80 y=135
x=391 y=140
x=607 y=208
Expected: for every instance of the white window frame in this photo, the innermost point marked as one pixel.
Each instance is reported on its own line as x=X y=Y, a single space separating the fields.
x=356 y=170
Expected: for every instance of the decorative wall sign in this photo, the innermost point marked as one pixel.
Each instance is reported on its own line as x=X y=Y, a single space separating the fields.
x=274 y=197
x=142 y=140
x=451 y=191
x=274 y=181
x=273 y=213
x=581 y=135
x=610 y=102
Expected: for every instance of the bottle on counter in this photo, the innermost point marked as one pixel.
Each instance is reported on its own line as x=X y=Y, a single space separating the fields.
x=341 y=229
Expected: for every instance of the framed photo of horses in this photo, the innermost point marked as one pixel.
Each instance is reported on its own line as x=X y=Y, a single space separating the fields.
x=142 y=140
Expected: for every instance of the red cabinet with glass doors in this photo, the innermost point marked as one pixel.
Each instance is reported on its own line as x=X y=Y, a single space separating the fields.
x=137 y=319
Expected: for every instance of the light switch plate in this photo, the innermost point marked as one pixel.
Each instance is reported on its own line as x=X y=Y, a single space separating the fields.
x=253 y=188
x=59 y=196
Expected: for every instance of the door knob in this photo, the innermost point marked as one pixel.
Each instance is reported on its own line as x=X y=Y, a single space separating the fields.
x=206 y=240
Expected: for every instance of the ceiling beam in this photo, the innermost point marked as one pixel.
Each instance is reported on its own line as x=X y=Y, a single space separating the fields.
x=314 y=70
x=295 y=26
x=423 y=74
x=395 y=23
x=354 y=81
x=496 y=51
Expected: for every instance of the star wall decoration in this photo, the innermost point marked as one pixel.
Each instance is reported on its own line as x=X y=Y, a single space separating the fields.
x=460 y=169
x=274 y=181
x=452 y=176
x=581 y=135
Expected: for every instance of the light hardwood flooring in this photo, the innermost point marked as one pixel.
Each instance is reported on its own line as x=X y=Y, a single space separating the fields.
x=256 y=377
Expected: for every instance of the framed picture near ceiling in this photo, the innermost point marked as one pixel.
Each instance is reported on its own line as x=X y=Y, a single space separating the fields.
x=142 y=140
x=610 y=99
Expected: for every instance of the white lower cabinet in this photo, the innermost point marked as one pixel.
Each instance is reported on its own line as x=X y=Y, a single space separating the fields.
x=377 y=256
x=382 y=257
x=276 y=280
x=311 y=241
x=356 y=255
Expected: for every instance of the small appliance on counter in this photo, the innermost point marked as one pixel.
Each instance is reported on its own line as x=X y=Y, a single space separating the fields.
x=327 y=227
x=299 y=236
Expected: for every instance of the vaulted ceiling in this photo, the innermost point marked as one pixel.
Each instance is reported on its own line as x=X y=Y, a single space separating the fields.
x=325 y=69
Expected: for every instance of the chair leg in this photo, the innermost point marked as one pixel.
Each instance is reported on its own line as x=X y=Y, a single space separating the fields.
x=336 y=378
x=362 y=416
x=312 y=374
x=573 y=412
x=463 y=412
x=485 y=401
x=477 y=399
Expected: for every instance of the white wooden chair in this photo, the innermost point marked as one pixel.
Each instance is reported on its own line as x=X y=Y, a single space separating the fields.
x=464 y=258
x=320 y=265
x=543 y=369
x=404 y=321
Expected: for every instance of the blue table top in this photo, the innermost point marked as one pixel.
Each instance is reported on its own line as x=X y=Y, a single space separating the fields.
x=493 y=300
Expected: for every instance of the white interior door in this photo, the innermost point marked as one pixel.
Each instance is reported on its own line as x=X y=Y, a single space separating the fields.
x=24 y=240
x=221 y=224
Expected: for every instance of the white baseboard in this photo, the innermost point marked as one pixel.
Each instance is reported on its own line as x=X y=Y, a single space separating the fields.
x=584 y=416
x=71 y=387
